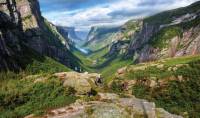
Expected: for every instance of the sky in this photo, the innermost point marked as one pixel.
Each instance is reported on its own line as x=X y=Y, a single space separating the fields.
x=82 y=14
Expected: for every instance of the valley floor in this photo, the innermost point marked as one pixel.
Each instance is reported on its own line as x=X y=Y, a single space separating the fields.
x=102 y=63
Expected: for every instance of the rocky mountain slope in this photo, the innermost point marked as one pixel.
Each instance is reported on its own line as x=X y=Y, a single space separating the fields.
x=70 y=33
x=169 y=34
x=120 y=44
x=101 y=36
x=116 y=38
x=23 y=28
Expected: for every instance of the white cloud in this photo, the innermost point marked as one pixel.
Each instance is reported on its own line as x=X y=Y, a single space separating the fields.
x=116 y=13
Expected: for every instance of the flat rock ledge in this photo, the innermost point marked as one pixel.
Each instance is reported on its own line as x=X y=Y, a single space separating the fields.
x=110 y=107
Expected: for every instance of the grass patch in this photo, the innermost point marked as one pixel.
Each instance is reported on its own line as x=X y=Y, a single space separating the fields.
x=21 y=97
x=48 y=65
x=109 y=71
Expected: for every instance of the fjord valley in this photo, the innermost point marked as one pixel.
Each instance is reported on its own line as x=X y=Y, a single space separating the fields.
x=144 y=67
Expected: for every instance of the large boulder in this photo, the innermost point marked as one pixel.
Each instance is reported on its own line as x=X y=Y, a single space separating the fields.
x=81 y=82
x=81 y=86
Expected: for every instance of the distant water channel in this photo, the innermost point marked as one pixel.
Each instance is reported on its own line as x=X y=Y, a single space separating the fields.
x=83 y=50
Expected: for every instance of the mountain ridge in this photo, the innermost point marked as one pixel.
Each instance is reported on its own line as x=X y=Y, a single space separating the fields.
x=99 y=36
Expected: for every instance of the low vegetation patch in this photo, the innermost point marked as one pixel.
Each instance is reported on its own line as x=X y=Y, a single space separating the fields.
x=176 y=88
x=47 y=65
x=21 y=97
x=161 y=39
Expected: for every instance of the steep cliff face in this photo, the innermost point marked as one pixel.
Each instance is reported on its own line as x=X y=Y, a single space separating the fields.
x=127 y=31
x=23 y=26
x=168 y=34
x=70 y=33
x=102 y=36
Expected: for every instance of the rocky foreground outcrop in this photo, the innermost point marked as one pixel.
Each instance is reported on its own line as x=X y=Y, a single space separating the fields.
x=100 y=105
x=110 y=107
